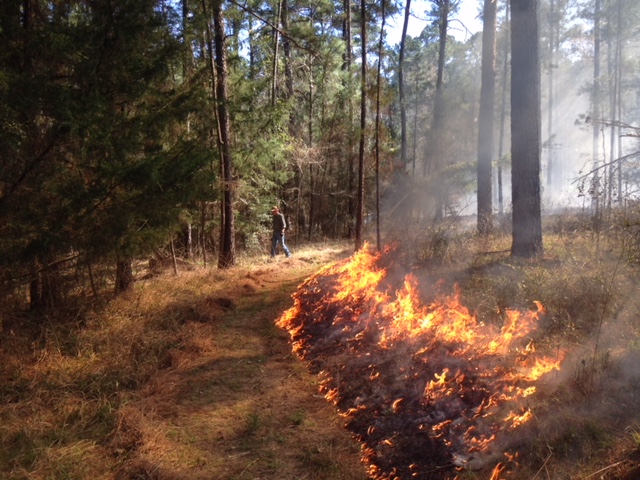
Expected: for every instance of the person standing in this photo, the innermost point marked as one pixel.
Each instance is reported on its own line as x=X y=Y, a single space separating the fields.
x=279 y=226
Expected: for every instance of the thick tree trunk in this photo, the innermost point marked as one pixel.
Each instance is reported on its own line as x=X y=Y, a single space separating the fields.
x=276 y=50
x=92 y=280
x=188 y=240
x=203 y=232
x=525 y=130
x=414 y=145
x=312 y=180
x=174 y=258
x=619 y=56
x=35 y=301
x=288 y=68
x=613 y=91
x=44 y=289
x=485 y=116
x=124 y=276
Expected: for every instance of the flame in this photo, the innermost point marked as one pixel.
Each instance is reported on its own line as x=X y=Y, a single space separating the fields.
x=495 y=475
x=434 y=371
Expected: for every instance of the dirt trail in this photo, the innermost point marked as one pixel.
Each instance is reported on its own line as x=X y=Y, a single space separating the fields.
x=235 y=403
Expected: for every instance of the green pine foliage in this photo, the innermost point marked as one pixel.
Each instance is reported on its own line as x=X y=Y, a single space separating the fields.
x=97 y=161
x=108 y=128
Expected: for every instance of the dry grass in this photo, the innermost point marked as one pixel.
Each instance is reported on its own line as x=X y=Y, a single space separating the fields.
x=188 y=378
x=185 y=378
x=586 y=426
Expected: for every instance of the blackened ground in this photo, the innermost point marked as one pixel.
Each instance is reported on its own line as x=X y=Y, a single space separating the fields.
x=380 y=390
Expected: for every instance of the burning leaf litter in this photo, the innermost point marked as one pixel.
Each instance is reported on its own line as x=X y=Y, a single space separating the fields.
x=427 y=390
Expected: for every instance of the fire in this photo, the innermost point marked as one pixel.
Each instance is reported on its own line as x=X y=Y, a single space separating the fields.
x=419 y=385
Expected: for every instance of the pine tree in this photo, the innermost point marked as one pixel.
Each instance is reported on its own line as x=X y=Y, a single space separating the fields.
x=94 y=169
x=525 y=130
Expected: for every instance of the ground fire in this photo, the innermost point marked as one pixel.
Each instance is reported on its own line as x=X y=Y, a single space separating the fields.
x=427 y=390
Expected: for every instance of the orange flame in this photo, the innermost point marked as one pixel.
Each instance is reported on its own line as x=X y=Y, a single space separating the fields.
x=479 y=373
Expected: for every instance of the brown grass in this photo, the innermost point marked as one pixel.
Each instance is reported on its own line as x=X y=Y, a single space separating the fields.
x=586 y=425
x=187 y=377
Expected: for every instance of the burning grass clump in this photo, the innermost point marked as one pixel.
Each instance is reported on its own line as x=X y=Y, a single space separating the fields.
x=404 y=394
x=426 y=389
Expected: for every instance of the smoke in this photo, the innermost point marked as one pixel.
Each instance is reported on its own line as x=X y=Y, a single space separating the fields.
x=566 y=152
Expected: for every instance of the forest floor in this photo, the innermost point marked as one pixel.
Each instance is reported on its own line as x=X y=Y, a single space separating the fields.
x=188 y=377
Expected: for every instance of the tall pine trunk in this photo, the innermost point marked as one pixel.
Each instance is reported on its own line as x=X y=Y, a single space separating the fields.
x=619 y=56
x=363 y=124
x=377 y=131
x=525 y=130
x=595 y=113
x=276 y=50
x=227 y=253
x=124 y=275
x=485 y=116
x=434 y=158
x=503 y=106
x=288 y=68
x=350 y=159
x=401 y=99
x=552 y=51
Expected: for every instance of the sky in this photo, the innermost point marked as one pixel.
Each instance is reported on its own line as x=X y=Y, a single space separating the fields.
x=467 y=15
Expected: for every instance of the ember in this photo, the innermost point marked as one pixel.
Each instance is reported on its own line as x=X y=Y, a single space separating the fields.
x=427 y=390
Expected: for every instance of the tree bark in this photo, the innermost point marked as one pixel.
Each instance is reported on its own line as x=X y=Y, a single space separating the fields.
x=401 y=99
x=288 y=68
x=124 y=276
x=503 y=107
x=486 y=116
x=173 y=258
x=276 y=45
x=618 y=107
x=363 y=124
x=44 y=289
x=377 y=131
x=227 y=254
x=525 y=130
x=203 y=232
x=437 y=128
x=312 y=180
x=552 y=50
x=189 y=240
x=350 y=160
x=595 y=111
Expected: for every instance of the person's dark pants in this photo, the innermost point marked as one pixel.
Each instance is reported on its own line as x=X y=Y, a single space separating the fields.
x=275 y=239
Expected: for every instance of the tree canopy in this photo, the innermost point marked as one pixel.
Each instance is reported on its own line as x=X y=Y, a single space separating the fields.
x=112 y=124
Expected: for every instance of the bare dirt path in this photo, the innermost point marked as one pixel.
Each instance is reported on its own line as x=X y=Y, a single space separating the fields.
x=234 y=402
